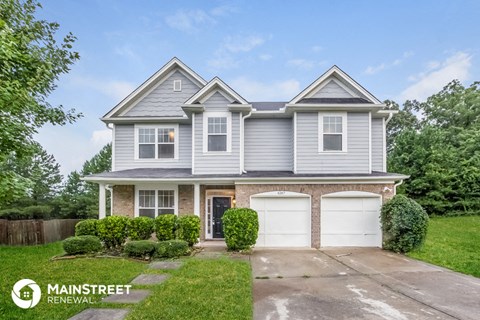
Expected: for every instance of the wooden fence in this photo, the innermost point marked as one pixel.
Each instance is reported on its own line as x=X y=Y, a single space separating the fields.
x=32 y=232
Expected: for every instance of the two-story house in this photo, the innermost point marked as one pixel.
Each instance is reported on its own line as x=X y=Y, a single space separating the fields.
x=314 y=167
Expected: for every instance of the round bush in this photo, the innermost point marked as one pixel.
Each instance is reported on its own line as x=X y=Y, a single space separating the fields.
x=81 y=245
x=171 y=249
x=188 y=229
x=404 y=224
x=240 y=227
x=140 y=228
x=86 y=227
x=141 y=248
x=165 y=227
x=112 y=230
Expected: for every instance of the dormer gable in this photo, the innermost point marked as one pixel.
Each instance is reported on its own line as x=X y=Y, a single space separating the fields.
x=216 y=86
x=149 y=100
x=334 y=87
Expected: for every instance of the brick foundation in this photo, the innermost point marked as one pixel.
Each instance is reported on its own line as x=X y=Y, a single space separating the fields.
x=123 y=201
x=316 y=191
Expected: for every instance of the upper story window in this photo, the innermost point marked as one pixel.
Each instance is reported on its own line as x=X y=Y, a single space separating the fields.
x=217 y=132
x=157 y=142
x=332 y=132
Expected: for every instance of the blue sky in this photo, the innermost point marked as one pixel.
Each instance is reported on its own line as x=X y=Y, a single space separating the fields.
x=265 y=50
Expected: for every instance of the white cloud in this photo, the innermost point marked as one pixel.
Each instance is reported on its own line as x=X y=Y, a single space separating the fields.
x=257 y=91
x=437 y=75
x=101 y=137
x=304 y=63
x=223 y=10
x=317 y=48
x=127 y=52
x=265 y=57
x=242 y=43
x=387 y=65
x=189 y=20
x=115 y=89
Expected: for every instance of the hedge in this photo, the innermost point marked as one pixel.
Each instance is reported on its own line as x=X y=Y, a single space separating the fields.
x=140 y=228
x=165 y=226
x=171 y=249
x=240 y=227
x=81 y=245
x=86 y=227
x=188 y=229
x=112 y=230
x=140 y=248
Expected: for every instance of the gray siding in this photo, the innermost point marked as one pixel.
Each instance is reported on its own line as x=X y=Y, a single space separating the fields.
x=217 y=164
x=217 y=102
x=377 y=145
x=125 y=149
x=332 y=90
x=269 y=144
x=163 y=101
x=355 y=160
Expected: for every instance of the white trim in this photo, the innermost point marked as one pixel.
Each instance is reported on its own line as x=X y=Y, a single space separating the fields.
x=177 y=85
x=280 y=194
x=370 y=142
x=209 y=195
x=196 y=199
x=384 y=145
x=294 y=142
x=215 y=82
x=340 y=74
x=156 y=187
x=174 y=62
x=176 y=142
x=209 y=114
x=193 y=142
x=344 y=131
x=113 y=147
x=102 y=210
x=351 y=194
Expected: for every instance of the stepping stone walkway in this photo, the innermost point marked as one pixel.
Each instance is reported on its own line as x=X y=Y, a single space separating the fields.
x=166 y=265
x=101 y=314
x=150 y=279
x=134 y=296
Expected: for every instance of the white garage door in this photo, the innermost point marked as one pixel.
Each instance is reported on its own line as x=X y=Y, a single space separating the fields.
x=350 y=221
x=283 y=221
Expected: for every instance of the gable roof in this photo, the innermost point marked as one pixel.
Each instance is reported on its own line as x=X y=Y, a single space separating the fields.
x=153 y=81
x=330 y=75
x=212 y=86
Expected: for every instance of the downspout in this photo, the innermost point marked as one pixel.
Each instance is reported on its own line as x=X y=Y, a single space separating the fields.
x=390 y=116
x=112 y=166
x=242 y=143
x=395 y=187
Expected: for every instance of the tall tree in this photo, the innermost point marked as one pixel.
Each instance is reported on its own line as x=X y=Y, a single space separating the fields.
x=405 y=119
x=31 y=61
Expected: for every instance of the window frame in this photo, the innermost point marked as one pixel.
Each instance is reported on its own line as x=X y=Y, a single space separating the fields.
x=176 y=131
x=206 y=116
x=177 y=85
x=321 y=132
x=156 y=188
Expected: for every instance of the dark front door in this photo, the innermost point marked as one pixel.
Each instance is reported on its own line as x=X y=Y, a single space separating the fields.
x=220 y=205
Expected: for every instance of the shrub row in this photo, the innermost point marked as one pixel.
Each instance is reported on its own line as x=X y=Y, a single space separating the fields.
x=31 y=212
x=114 y=230
x=162 y=249
x=82 y=245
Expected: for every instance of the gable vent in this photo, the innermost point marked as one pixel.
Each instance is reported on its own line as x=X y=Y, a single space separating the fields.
x=177 y=85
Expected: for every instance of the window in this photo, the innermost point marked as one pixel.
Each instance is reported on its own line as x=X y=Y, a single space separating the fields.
x=152 y=203
x=177 y=85
x=332 y=132
x=157 y=142
x=217 y=132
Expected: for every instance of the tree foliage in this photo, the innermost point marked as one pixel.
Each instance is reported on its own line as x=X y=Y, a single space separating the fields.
x=442 y=154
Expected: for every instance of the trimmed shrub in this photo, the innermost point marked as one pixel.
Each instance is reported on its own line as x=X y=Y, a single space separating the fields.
x=165 y=227
x=140 y=248
x=81 y=245
x=86 y=227
x=13 y=214
x=188 y=229
x=140 y=228
x=38 y=212
x=240 y=227
x=112 y=230
x=171 y=249
x=404 y=224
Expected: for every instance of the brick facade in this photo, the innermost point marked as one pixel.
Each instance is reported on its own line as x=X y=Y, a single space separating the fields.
x=123 y=200
x=316 y=191
x=185 y=199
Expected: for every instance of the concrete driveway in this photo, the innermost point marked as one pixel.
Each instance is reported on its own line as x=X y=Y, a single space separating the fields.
x=357 y=283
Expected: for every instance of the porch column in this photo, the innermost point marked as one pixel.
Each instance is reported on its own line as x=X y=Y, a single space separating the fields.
x=101 y=201
x=196 y=199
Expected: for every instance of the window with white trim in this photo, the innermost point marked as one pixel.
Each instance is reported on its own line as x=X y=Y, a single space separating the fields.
x=152 y=203
x=332 y=132
x=177 y=85
x=157 y=142
x=217 y=134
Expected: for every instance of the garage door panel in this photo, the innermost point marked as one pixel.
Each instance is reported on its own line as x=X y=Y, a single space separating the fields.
x=342 y=204
x=341 y=222
x=273 y=240
x=286 y=222
x=294 y=204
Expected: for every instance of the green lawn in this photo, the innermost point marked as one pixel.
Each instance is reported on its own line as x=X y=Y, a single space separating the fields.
x=202 y=288
x=453 y=243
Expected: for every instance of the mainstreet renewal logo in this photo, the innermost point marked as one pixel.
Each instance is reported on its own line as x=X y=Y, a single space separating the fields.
x=26 y=293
